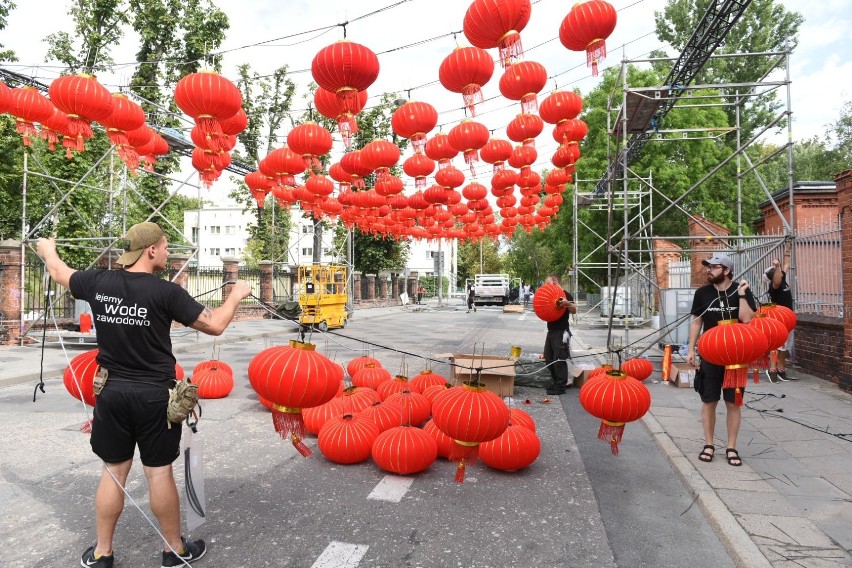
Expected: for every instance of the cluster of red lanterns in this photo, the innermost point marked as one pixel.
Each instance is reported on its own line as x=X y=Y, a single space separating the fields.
x=75 y=101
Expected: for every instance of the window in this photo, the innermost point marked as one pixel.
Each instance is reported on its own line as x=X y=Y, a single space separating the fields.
x=230 y=252
x=325 y=251
x=230 y=229
x=215 y=229
x=215 y=251
x=195 y=234
x=308 y=251
x=306 y=229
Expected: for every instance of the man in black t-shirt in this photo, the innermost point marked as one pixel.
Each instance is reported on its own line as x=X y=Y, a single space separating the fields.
x=720 y=299
x=557 y=350
x=133 y=311
x=779 y=293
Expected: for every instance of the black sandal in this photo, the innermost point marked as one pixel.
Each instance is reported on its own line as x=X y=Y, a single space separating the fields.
x=733 y=460
x=706 y=456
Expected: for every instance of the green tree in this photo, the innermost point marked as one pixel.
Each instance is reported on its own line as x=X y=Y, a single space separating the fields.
x=529 y=257
x=470 y=254
x=98 y=26
x=6 y=6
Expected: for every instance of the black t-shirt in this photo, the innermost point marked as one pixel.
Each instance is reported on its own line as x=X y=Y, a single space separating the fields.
x=133 y=314
x=713 y=305
x=562 y=323
x=783 y=296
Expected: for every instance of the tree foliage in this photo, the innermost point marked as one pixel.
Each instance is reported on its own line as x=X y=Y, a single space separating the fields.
x=470 y=253
x=6 y=6
x=98 y=26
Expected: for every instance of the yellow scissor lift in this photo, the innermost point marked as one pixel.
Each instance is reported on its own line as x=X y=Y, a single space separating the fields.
x=322 y=296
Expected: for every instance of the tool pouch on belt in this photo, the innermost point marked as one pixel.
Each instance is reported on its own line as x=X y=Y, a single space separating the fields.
x=182 y=400
x=100 y=380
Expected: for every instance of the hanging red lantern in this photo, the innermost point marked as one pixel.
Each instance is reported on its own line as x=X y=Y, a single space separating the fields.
x=638 y=368
x=776 y=336
x=522 y=81
x=474 y=191
x=5 y=98
x=586 y=28
x=469 y=415
x=256 y=181
x=449 y=176
x=522 y=157
x=782 y=313
x=616 y=399
x=345 y=68
x=566 y=155
x=347 y=439
x=54 y=127
x=733 y=345
x=208 y=98
x=468 y=137
x=516 y=448
x=29 y=106
x=404 y=450
x=319 y=185
x=293 y=377
x=84 y=100
x=560 y=105
x=213 y=382
x=496 y=151
x=388 y=185
x=571 y=130
x=379 y=156
x=544 y=302
x=236 y=124
x=310 y=140
x=440 y=149
x=414 y=120
x=352 y=163
x=418 y=166
x=329 y=106
x=498 y=23
x=465 y=71
x=524 y=129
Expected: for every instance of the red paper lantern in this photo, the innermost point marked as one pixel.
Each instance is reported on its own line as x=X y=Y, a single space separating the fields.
x=316 y=416
x=524 y=128
x=418 y=166
x=386 y=415
x=445 y=443
x=352 y=163
x=496 y=151
x=208 y=98
x=84 y=100
x=616 y=399
x=522 y=81
x=126 y=115
x=544 y=302
x=469 y=415
x=397 y=384
x=520 y=418
x=570 y=130
x=213 y=383
x=498 y=23
x=638 y=368
x=566 y=155
x=440 y=149
x=293 y=377
x=345 y=68
x=431 y=392
x=426 y=379
x=782 y=313
x=414 y=120
x=380 y=155
x=29 y=106
x=776 y=336
x=468 y=137
x=560 y=105
x=347 y=439
x=5 y=98
x=586 y=28
x=213 y=364
x=310 y=140
x=516 y=448
x=733 y=345
x=404 y=450
x=79 y=376
x=465 y=71
x=371 y=376
x=416 y=408
x=356 y=399
x=55 y=126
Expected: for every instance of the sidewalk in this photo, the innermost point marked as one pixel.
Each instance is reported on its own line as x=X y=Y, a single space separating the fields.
x=790 y=504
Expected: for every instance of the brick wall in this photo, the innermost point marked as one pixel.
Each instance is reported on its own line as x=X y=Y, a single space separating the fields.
x=844 y=204
x=819 y=348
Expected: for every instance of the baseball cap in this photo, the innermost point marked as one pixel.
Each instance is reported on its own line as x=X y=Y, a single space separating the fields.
x=719 y=258
x=139 y=237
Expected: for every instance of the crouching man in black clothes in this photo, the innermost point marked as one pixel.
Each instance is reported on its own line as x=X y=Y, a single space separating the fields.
x=719 y=300
x=133 y=311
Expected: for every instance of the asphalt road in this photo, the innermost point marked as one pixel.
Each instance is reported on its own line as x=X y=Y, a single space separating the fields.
x=576 y=506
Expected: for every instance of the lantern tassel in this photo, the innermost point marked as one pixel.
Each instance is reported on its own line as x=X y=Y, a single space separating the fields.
x=595 y=51
x=460 y=470
x=472 y=94
x=465 y=453
x=510 y=47
x=736 y=376
x=86 y=427
x=288 y=422
x=738 y=396
x=529 y=105
x=756 y=375
x=612 y=430
x=667 y=363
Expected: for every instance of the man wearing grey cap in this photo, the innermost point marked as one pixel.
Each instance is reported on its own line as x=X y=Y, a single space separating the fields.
x=134 y=311
x=720 y=299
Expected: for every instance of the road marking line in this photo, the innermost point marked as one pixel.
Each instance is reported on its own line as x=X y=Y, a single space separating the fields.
x=391 y=488
x=341 y=555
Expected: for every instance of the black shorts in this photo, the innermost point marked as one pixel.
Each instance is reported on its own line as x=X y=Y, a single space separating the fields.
x=708 y=383
x=127 y=414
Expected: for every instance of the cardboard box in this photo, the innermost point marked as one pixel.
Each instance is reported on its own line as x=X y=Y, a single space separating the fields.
x=498 y=373
x=580 y=374
x=682 y=375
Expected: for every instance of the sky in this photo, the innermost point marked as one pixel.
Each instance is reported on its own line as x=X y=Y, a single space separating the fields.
x=821 y=67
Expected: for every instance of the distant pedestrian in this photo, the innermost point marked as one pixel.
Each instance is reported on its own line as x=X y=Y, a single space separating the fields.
x=420 y=292
x=721 y=299
x=134 y=311
x=526 y=289
x=557 y=348
x=780 y=294
x=470 y=299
